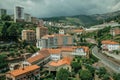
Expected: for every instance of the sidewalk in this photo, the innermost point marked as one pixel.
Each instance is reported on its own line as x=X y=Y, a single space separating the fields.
x=113 y=55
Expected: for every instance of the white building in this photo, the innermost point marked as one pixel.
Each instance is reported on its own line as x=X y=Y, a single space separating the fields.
x=110 y=45
x=18 y=14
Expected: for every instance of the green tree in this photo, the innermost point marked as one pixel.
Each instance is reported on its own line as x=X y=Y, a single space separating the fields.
x=101 y=72
x=106 y=77
x=85 y=75
x=62 y=74
x=116 y=76
x=6 y=25
x=76 y=66
x=5 y=18
x=3 y=62
x=13 y=32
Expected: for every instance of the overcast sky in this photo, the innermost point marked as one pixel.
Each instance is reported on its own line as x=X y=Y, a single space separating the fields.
x=49 y=8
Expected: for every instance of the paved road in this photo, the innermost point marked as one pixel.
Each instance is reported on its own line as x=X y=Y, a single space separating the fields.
x=114 y=66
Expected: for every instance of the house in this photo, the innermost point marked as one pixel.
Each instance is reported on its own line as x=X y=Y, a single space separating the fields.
x=110 y=45
x=26 y=73
x=57 y=65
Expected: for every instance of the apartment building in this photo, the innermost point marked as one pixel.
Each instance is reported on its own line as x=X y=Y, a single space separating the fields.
x=28 y=35
x=41 y=31
x=56 y=40
x=26 y=73
x=18 y=14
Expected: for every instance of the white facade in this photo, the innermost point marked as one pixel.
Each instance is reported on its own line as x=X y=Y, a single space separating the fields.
x=61 y=31
x=18 y=13
x=55 y=56
x=79 y=52
x=111 y=47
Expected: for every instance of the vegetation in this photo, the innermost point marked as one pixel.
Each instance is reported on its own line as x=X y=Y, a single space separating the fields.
x=10 y=31
x=62 y=74
x=116 y=76
x=85 y=75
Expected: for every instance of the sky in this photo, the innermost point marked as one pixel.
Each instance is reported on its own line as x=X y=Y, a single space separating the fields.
x=51 y=8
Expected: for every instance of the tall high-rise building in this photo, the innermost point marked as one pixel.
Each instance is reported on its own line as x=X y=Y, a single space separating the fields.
x=41 y=31
x=18 y=14
x=27 y=17
x=3 y=12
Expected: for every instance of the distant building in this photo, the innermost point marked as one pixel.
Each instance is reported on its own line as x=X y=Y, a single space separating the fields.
x=3 y=12
x=27 y=17
x=110 y=45
x=56 y=40
x=41 y=31
x=115 y=31
x=34 y=20
x=61 y=31
x=18 y=14
x=26 y=73
x=28 y=35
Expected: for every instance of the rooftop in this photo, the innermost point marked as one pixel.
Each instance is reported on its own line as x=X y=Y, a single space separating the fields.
x=61 y=62
x=23 y=70
x=109 y=42
x=41 y=55
x=54 y=51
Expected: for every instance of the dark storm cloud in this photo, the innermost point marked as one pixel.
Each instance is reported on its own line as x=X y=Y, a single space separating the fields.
x=47 y=8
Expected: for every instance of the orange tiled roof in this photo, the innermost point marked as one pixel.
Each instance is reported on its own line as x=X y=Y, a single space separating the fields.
x=109 y=42
x=46 y=36
x=54 y=51
x=42 y=54
x=68 y=48
x=61 y=62
x=23 y=71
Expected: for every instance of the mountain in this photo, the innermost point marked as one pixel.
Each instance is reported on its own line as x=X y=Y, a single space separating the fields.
x=86 y=20
x=106 y=15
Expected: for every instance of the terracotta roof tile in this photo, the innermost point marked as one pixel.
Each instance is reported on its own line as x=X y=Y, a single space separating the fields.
x=61 y=62
x=23 y=71
x=42 y=54
x=109 y=42
x=54 y=51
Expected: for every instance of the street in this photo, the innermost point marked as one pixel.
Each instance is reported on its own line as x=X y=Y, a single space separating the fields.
x=114 y=66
